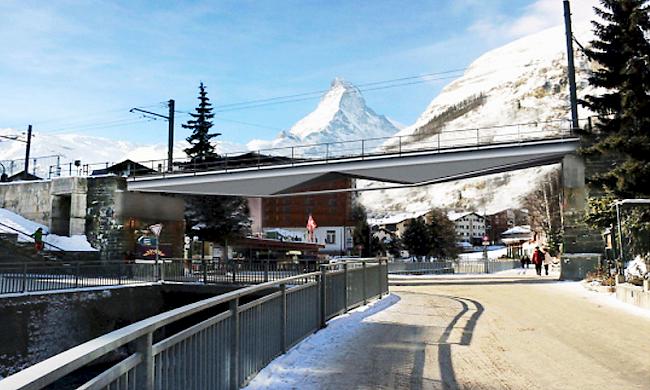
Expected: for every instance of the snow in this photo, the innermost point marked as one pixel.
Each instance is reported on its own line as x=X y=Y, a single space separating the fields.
x=75 y=243
x=341 y=115
x=521 y=82
x=286 y=371
x=636 y=267
x=601 y=298
x=517 y=230
x=492 y=254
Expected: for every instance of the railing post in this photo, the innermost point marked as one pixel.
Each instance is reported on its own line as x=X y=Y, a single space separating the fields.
x=345 y=286
x=292 y=155
x=234 y=268
x=144 y=374
x=234 y=344
x=322 y=281
x=478 y=139
x=363 y=142
x=119 y=274
x=283 y=323
x=379 y=276
x=24 y=286
x=400 y=145
x=266 y=270
x=327 y=152
x=365 y=278
x=76 y=274
x=438 y=142
x=204 y=264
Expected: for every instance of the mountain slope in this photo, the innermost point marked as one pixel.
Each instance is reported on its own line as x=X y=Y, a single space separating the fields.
x=522 y=82
x=341 y=115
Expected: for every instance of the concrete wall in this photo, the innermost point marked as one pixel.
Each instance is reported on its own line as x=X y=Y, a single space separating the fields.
x=32 y=200
x=36 y=327
x=634 y=295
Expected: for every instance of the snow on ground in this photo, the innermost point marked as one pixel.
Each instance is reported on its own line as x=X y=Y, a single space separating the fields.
x=493 y=254
x=601 y=298
x=75 y=243
x=286 y=371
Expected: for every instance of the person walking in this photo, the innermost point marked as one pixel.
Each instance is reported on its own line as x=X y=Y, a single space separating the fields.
x=38 y=239
x=538 y=260
x=547 y=260
x=524 y=263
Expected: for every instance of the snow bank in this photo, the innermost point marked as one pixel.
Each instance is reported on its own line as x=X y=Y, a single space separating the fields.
x=9 y=222
x=288 y=371
x=604 y=299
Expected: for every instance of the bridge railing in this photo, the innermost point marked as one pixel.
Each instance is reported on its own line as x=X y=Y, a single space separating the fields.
x=216 y=343
x=519 y=133
x=35 y=276
x=458 y=266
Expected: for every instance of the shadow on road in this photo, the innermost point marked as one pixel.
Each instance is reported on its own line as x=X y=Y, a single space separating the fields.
x=465 y=282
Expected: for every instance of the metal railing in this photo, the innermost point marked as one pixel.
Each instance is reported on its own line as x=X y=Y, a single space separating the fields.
x=453 y=266
x=50 y=276
x=20 y=232
x=229 y=342
x=517 y=134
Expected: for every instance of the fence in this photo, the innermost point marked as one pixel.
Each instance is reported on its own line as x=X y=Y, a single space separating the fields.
x=49 y=276
x=452 y=267
x=227 y=347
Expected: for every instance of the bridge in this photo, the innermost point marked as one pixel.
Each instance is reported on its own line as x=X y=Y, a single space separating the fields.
x=402 y=160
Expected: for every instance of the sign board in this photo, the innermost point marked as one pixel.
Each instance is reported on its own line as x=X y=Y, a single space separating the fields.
x=156 y=229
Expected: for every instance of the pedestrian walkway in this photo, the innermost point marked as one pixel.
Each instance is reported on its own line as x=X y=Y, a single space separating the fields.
x=508 y=332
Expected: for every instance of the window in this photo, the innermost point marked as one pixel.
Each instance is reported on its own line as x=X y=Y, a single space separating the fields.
x=331 y=237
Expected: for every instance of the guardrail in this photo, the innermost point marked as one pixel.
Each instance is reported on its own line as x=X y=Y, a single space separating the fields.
x=519 y=133
x=46 y=244
x=229 y=341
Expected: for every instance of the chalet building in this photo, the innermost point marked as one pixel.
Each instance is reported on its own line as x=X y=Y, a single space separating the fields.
x=331 y=212
x=470 y=227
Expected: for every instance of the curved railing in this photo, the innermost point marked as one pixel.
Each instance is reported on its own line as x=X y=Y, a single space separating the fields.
x=235 y=336
x=520 y=133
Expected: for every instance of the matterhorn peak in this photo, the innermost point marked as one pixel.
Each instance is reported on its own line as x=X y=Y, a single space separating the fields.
x=341 y=115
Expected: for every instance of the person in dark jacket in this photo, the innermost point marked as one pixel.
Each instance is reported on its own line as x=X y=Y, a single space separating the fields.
x=538 y=260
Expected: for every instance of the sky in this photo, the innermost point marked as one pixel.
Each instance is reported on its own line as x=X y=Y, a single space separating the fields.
x=78 y=66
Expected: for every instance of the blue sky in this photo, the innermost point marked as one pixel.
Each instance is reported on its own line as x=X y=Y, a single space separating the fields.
x=79 y=65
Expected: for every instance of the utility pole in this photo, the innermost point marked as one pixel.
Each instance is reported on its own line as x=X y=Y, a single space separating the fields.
x=170 y=142
x=27 y=150
x=170 y=119
x=571 y=70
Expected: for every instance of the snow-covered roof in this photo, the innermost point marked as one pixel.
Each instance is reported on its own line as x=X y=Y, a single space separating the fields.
x=453 y=215
x=525 y=229
x=394 y=218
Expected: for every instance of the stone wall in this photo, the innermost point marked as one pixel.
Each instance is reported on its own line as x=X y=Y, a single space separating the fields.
x=32 y=200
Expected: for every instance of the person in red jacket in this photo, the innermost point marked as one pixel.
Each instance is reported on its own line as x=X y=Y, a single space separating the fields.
x=538 y=260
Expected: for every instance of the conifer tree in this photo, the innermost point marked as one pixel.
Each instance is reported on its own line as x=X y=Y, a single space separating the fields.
x=622 y=132
x=201 y=149
x=212 y=218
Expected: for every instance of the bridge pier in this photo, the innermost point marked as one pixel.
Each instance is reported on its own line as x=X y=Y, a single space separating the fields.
x=582 y=245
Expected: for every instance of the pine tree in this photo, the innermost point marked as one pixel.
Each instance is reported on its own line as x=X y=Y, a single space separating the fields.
x=211 y=218
x=417 y=237
x=200 y=124
x=362 y=235
x=622 y=132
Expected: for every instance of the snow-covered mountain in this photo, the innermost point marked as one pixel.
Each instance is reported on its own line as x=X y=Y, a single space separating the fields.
x=522 y=82
x=47 y=149
x=341 y=115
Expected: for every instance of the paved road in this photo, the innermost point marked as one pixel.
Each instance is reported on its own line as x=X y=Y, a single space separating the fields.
x=493 y=333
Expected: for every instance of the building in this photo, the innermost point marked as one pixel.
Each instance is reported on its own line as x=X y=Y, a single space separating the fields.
x=503 y=220
x=332 y=213
x=517 y=240
x=470 y=227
